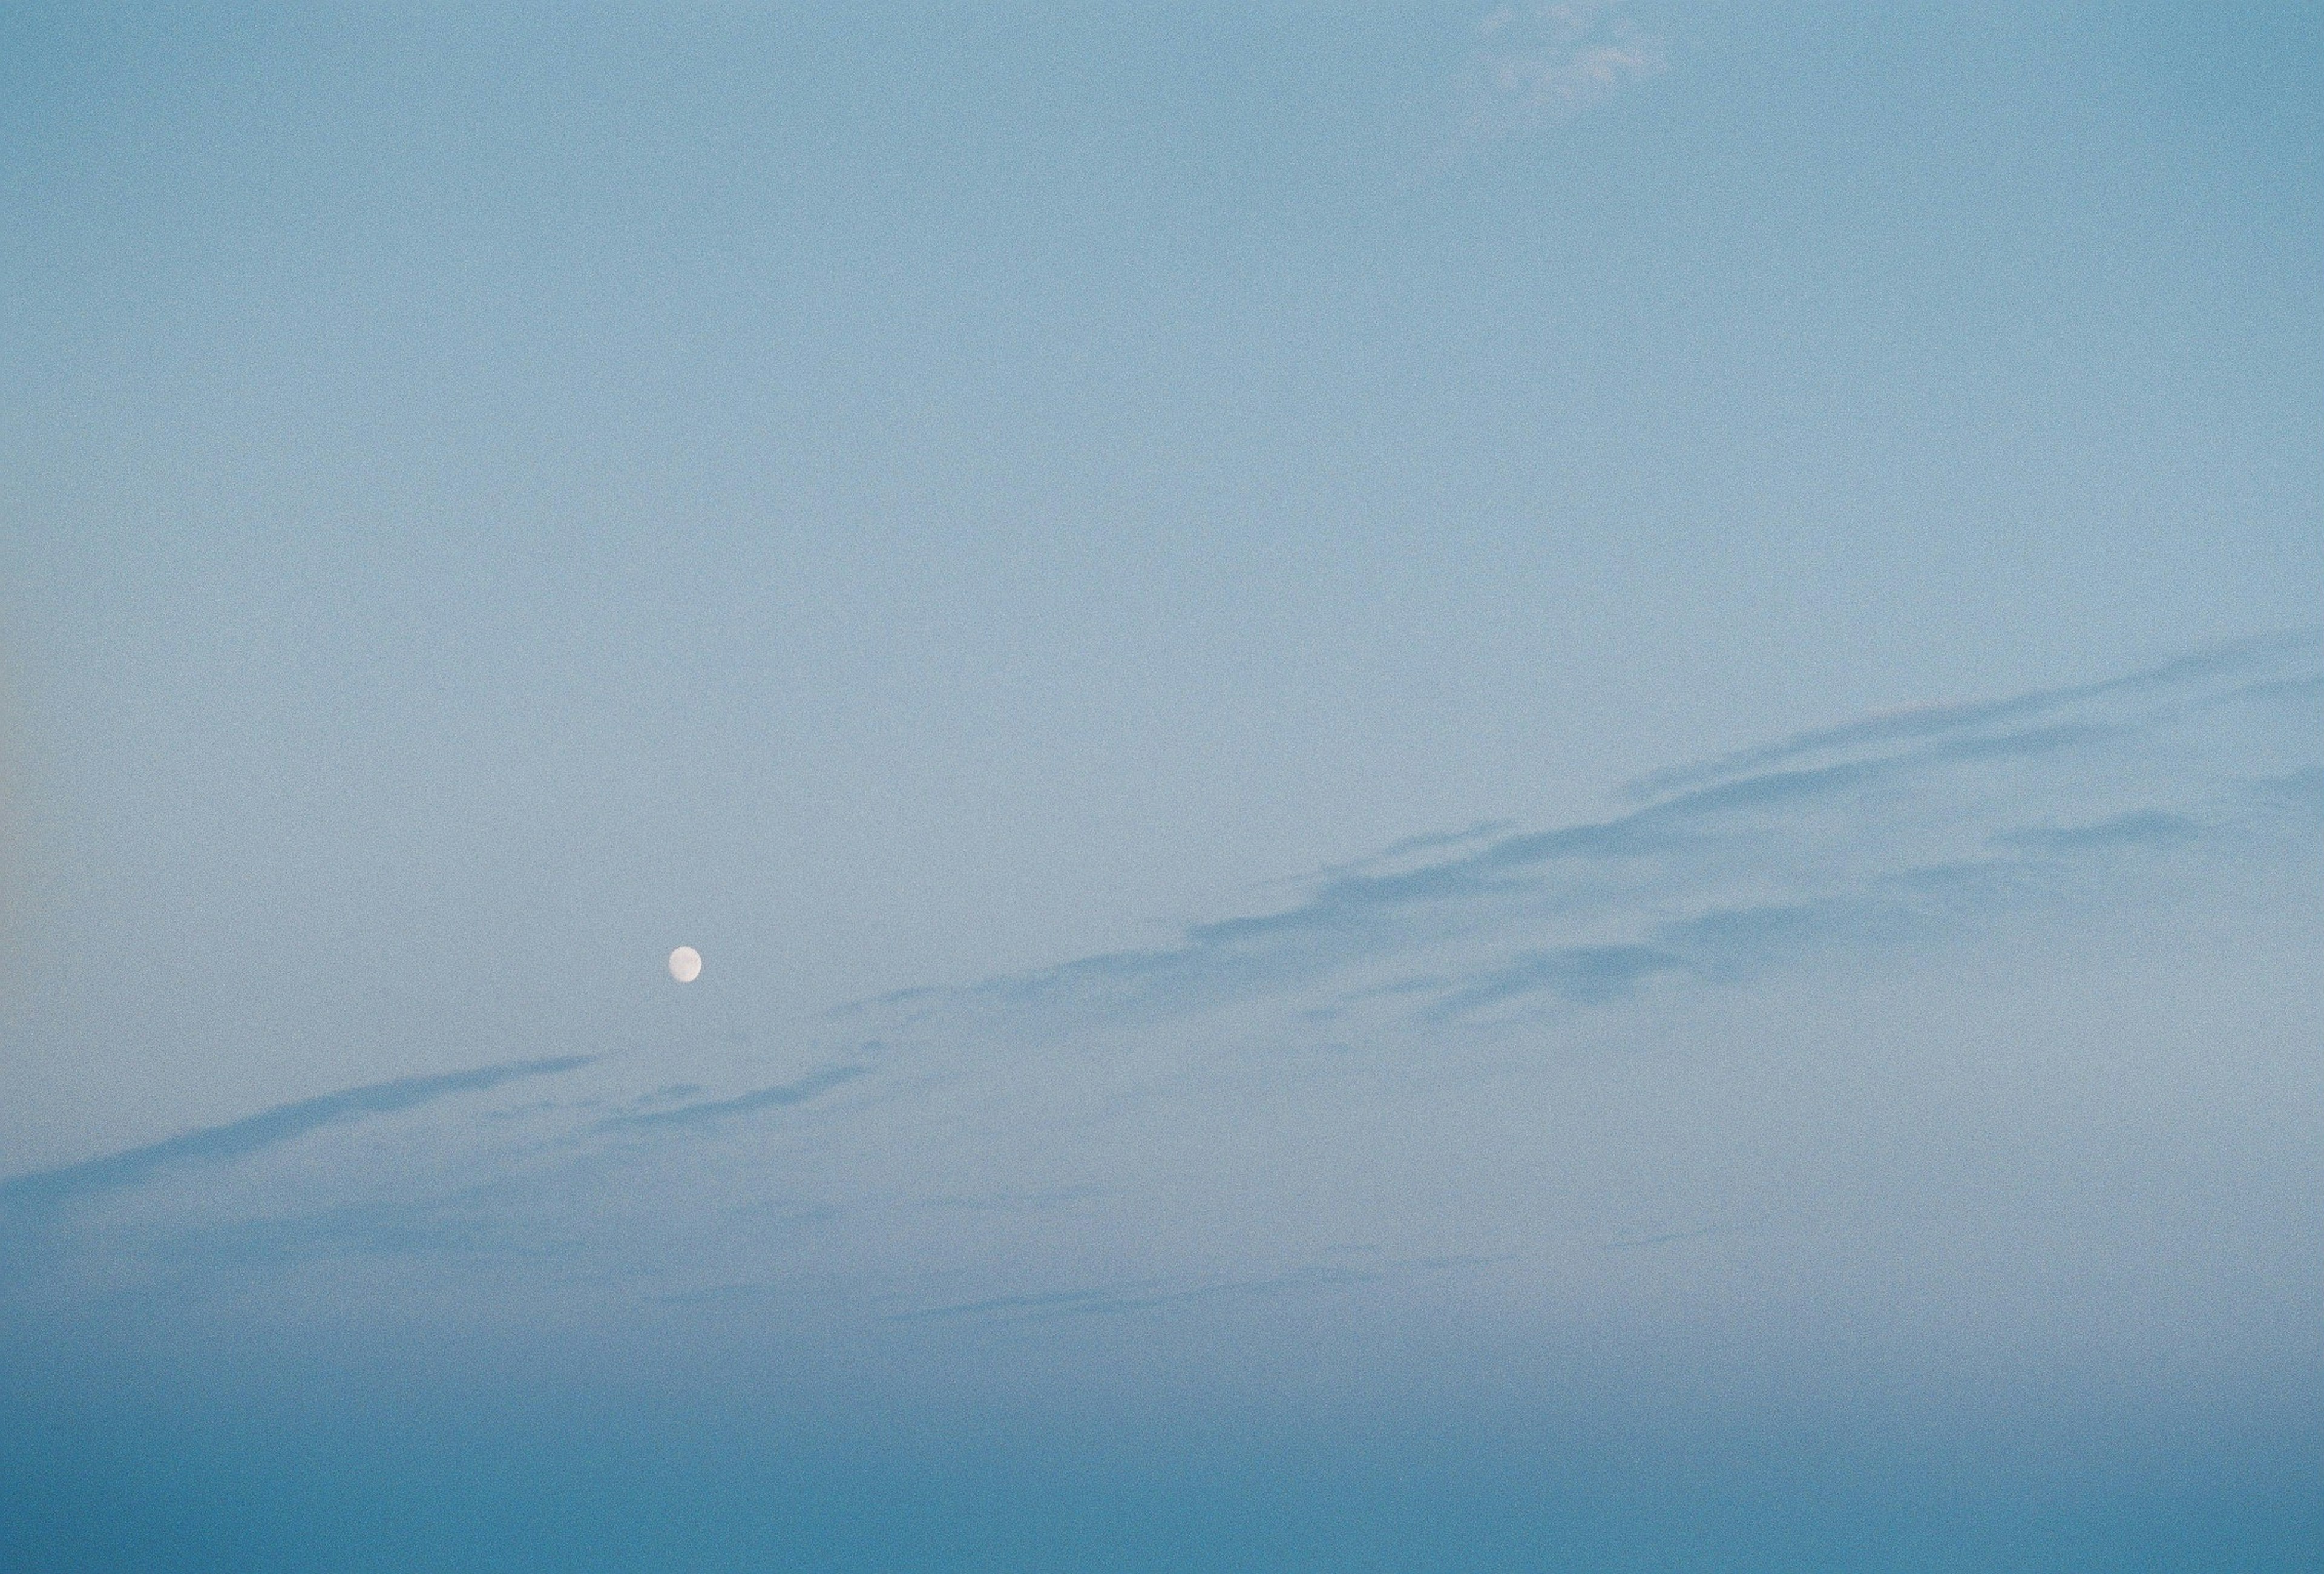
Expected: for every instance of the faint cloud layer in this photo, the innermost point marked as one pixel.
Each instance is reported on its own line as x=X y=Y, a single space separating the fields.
x=962 y=1131
x=1864 y=833
x=1538 y=64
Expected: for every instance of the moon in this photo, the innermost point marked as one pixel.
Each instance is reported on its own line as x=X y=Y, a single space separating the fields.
x=686 y=964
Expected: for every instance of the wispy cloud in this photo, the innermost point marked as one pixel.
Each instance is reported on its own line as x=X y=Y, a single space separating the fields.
x=268 y=1128
x=1857 y=834
x=1538 y=64
x=1576 y=972
x=1145 y=1295
x=2146 y=827
x=2255 y=661
x=709 y=1111
x=1672 y=1237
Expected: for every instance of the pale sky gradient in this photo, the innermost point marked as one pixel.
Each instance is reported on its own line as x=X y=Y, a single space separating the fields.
x=1594 y=723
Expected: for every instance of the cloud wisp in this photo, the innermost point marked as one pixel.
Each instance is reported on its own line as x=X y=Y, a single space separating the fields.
x=269 y=1128
x=2263 y=659
x=708 y=1111
x=1152 y=1295
x=1540 y=64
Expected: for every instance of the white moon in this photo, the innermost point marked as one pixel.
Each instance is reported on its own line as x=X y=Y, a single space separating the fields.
x=686 y=964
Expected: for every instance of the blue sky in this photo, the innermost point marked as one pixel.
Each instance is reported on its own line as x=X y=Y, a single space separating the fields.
x=1427 y=761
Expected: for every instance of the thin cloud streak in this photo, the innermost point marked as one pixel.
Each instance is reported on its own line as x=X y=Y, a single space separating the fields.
x=267 y=1129
x=1145 y=1295
x=709 y=1111
x=1926 y=721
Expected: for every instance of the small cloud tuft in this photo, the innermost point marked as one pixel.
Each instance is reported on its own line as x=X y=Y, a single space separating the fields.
x=1538 y=65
